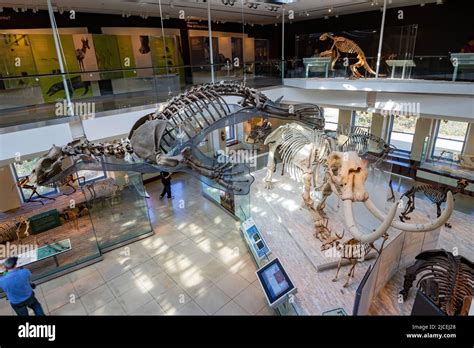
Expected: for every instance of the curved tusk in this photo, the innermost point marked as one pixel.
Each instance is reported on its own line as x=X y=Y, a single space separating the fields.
x=367 y=237
x=443 y=218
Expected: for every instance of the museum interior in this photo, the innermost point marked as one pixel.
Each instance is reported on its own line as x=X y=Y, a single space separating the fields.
x=239 y=157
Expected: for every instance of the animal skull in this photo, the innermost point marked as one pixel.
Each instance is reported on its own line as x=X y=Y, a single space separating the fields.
x=48 y=166
x=346 y=175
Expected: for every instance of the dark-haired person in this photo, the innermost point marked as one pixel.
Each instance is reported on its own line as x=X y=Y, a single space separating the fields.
x=166 y=181
x=16 y=284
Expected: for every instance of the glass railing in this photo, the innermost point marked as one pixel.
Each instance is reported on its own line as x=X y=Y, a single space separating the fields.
x=453 y=67
x=96 y=93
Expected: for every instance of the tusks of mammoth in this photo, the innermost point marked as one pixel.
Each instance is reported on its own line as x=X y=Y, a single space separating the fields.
x=443 y=218
x=367 y=237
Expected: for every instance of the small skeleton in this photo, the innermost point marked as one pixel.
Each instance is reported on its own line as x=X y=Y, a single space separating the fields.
x=436 y=194
x=352 y=250
x=16 y=229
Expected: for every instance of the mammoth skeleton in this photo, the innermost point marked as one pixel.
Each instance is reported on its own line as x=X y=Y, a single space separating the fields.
x=305 y=153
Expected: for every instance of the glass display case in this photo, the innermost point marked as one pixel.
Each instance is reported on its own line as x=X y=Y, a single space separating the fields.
x=236 y=205
x=118 y=210
x=60 y=237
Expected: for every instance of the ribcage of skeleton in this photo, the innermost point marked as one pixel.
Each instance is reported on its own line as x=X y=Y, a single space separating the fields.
x=355 y=251
x=359 y=141
x=348 y=46
x=197 y=109
x=294 y=140
x=435 y=195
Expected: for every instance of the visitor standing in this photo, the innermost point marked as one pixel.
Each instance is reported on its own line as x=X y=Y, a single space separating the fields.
x=166 y=181
x=16 y=284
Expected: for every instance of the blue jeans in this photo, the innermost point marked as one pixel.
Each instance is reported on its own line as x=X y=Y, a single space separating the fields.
x=21 y=308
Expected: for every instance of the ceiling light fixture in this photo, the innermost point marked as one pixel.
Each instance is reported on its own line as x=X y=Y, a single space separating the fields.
x=252 y=5
x=15 y=9
x=228 y=2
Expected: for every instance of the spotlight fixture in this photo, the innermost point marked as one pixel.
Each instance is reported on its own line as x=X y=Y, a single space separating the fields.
x=439 y=2
x=1 y=9
x=253 y=5
x=228 y=2
x=273 y=8
x=326 y=17
x=15 y=9
x=329 y=10
x=24 y=9
x=307 y=14
x=61 y=10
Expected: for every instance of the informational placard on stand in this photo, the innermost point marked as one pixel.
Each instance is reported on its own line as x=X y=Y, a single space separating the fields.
x=275 y=282
x=255 y=239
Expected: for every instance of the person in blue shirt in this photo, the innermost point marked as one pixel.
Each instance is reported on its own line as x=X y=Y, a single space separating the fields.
x=16 y=284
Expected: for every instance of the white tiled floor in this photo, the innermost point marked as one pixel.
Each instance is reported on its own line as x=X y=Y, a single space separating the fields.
x=195 y=264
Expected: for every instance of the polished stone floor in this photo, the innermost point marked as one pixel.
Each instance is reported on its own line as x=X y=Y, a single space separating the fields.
x=196 y=264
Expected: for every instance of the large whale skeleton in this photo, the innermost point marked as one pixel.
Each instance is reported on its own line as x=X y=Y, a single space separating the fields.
x=168 y=140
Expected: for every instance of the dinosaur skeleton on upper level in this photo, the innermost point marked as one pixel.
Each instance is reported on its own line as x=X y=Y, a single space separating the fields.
x=168 y=139
x=344 y=45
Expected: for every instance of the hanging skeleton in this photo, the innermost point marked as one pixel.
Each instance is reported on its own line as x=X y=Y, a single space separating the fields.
x=168 y=140
x=436 y=194
x=446 y=279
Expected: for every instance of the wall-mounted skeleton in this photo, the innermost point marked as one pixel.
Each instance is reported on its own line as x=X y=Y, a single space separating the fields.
x=168 y=139
x=446 y=279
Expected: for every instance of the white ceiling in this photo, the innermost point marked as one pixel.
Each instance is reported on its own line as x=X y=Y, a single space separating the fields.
x=303 y=9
